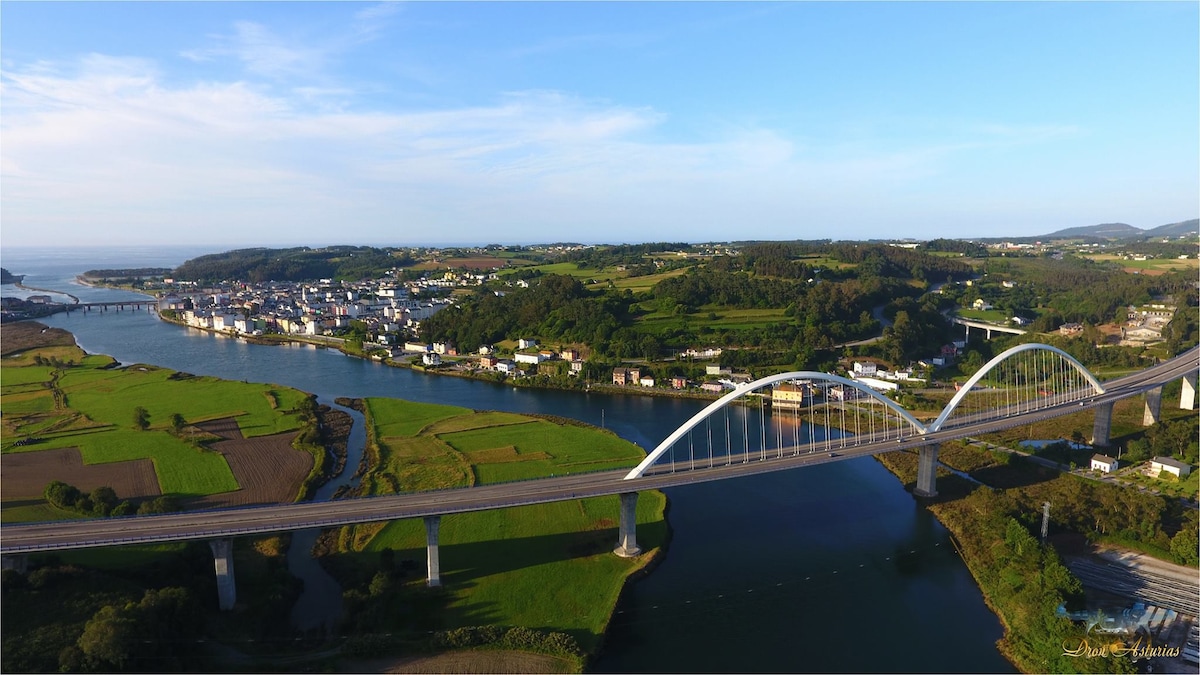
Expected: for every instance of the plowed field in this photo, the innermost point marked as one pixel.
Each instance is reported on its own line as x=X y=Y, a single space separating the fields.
x=268 y=468
x=27 y=473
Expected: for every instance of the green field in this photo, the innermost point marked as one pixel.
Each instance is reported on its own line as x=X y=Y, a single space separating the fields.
x=109 y=396
x=570 y=269
x=550 y=567
x=987 y=315
x=1153 y=265
x=84 y=403
x=645 y=282
x=714 y=318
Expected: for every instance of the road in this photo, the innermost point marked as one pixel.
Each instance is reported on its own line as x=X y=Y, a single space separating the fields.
x=31 y=537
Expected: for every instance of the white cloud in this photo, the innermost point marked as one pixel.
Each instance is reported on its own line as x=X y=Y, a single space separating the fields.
x=262 y=52
x=111 y=146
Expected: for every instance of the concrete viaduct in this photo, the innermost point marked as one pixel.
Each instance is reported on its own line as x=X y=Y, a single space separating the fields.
x=987 y=328
x=220 y=526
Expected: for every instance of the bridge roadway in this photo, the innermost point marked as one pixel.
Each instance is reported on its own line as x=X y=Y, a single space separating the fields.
x=989 y=328
x=116 y=303
x=33 y=537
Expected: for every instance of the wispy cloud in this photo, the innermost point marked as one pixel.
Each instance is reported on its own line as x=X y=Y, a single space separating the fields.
x=371 y=20
x=262 y=52
x=583 y=41
x=109 y=142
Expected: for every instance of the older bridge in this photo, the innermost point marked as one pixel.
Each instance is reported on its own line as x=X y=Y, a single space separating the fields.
x=987 y=328
x=119 y=305
x=776 y=423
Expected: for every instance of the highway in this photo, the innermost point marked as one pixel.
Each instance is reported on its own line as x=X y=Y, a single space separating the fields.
x=58 y=535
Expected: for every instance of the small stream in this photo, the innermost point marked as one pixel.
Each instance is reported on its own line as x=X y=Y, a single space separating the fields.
x=320 y=604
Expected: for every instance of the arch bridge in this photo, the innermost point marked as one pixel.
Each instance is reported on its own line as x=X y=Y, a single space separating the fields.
x=804 y=413
x=776 y=423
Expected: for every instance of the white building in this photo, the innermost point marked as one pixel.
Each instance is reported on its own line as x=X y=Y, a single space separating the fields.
x=1103 y=464
x=1169 y=465
x=865 y=368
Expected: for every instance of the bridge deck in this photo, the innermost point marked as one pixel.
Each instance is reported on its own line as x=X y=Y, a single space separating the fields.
x=30 y=537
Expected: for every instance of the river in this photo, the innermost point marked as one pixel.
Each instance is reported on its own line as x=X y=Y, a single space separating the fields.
x=834 y=568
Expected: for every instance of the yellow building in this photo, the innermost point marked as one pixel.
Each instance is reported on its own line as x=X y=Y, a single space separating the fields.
x=787 y=395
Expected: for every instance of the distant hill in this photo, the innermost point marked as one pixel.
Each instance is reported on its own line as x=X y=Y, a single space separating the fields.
x=1175 y=229
x=1124 y=231
x=1103 y=231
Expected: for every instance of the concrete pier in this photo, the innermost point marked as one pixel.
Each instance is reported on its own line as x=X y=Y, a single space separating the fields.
x=432 y=524
x=1187 y=398
x=223 y=561
x=627 y=538
x=927 y=471
x=1102 y=427
x=17 y=562
x=1153 y=407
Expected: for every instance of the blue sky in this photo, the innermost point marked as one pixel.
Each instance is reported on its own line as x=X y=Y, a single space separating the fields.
x=273 y=123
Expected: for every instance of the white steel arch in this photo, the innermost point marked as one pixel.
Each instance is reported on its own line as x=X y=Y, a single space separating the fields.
x=749 y=388
x=979 y=375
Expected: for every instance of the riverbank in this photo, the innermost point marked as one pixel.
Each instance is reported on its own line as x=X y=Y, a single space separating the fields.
x=480 y=376
x=692 y=610
x=23 y=287
x=1023 y=582
x=540 y=548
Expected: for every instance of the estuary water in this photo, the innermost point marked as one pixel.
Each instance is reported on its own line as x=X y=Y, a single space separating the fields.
x=833 y=568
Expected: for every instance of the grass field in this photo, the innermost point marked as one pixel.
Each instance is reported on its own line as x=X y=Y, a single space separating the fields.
x=482 y=262
x=549 y=567
x=714 y=318
x=571 y=269
x=645 y=282
x=825 y=262
x=1152 y=266
x=987 y=315
x=86 y=404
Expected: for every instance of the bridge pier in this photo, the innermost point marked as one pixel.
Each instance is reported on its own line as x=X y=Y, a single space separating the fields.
x=223 y=562
x=18 y=562
x=1102 y=426
x=627 y=537
x=1153 y=406
x=1187 y=398
x=927 y=471
x=434 y=576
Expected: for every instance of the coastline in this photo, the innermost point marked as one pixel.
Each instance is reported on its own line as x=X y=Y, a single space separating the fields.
x=22 y=286
x=330 y=343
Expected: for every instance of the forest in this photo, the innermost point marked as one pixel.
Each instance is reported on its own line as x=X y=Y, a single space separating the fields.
x=293 y=264
x=821 y=305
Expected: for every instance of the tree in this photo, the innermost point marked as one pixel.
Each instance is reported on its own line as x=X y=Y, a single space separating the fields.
x=61 y=495
x=141 y=418
x=1185 y=543
x=108 y=639
x=177 y=423
x=104 y=500
x=163 y=504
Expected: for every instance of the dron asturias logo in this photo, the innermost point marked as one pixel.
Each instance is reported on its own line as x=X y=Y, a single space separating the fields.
x=1119 y=648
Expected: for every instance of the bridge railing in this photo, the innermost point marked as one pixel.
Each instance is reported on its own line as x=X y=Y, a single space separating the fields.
x=789 y=413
